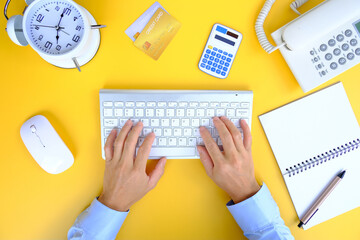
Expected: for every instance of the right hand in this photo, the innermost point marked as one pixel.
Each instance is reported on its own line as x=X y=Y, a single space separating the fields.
x=233 y=169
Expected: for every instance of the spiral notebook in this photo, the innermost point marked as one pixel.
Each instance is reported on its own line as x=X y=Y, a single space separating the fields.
x=313 y=139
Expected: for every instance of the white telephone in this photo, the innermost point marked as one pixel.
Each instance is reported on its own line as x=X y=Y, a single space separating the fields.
x=318 y=45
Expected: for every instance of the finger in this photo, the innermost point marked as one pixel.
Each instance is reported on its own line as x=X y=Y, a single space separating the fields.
x=109 y=145
x=144 y=151
x=156 y=174
x=235 y=133
x=211 y=146
x=130 y=144
x=247 y=135
x=225 y=136
x=206 y=160
x=120 y=140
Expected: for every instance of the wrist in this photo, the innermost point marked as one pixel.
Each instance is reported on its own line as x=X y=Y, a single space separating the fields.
x=245 y=193
x=113 y=204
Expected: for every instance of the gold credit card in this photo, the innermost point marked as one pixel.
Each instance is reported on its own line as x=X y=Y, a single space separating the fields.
x=157 y=34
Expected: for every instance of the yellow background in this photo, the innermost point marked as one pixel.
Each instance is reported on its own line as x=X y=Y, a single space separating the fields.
x=185 y=204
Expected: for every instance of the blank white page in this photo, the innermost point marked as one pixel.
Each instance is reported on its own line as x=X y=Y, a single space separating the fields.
x=305 y=129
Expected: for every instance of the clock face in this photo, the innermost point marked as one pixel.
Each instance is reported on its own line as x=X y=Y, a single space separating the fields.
x=54 y=27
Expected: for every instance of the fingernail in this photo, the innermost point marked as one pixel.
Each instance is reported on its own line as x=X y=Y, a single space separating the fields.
x=215 y=118
x=199 y=150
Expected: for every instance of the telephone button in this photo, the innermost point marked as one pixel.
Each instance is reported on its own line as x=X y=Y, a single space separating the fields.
x=328 y=56
x=342 y=61
x=348 y=33
x=333 y=65
x=337 y=51
x=345 y=47
x=357 y=51
x=340 y=38
x=312 y=52
x=353 y=42
x=332 y=42
x=350 y=56
x=323 y=47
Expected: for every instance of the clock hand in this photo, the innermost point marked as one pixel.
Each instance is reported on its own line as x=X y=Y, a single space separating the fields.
x=58 y=28
x=44 y=26
x=64 y=32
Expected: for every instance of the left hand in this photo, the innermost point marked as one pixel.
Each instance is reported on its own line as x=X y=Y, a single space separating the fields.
x=125 y=178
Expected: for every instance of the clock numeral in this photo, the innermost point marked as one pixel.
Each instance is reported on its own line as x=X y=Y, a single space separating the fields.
x=58 y=47
x=41 y=37
x=37 y=27
x=76 y=38
x=57 y=8
x=67 y=11
x=78 y=28
x=75 y=18
x=48 y=45
x=68 y=45
x=39 y=18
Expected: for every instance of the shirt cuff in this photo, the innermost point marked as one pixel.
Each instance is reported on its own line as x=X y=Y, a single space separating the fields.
x=256 y=212
x=100 y=222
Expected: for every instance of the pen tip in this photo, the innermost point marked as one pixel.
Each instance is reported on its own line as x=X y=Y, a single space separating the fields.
x=300 y=224
x=342 y=174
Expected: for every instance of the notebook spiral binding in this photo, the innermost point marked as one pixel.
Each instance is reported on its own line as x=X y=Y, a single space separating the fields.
x=322 y=158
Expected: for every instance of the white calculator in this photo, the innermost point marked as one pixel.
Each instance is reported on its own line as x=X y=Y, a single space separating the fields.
x=220 y=51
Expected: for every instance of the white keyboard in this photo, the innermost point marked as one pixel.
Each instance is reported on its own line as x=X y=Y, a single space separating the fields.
x=174 y=116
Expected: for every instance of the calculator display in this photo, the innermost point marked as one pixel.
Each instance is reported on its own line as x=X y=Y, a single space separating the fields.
x=224 y=40
x=357 y=25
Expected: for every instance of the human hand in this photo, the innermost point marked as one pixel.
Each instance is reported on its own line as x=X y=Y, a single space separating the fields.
x=125 y=178
x=233 y=169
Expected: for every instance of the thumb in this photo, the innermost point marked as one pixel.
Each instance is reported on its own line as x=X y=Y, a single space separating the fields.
x=206 y=160
x=156 y=174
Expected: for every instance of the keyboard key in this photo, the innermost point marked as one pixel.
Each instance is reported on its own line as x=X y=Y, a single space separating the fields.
x=172 y=142
x=196 y=132
x=192 y=142
x=151 y=104
x=119 y=104
x=200 y=142
x=170 y=112
x=204 y=104
x=139 y=112
x=108 y=112
x=230 y=112
x=220 y=112
x=167 y=132
x=177 y=132
x=220 y=67
x=195 y=122
x=187 y=132
x=165 y=122
x=172 y=152
x=190 y=112
x=182 y=142
x=244 y=105
x=110 y=122
x=129 y=112
x=180 y=112
x=242 y=112
x=155 y=122
x=175 y=122
x=147 y=131
x=332 y=42
x=210 y=63
x=146 y=122
x=340 y=38
x=200 y=112
x=162 y=142
x=205 y=122
x=140 y=104
x=185 y=122
x=149 y=112
x=107 y=104
x=122 y=122
x=130 y=104
x=337 y=51
x=160 y=112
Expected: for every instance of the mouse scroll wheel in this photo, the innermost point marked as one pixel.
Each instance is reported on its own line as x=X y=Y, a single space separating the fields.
x=33 y=128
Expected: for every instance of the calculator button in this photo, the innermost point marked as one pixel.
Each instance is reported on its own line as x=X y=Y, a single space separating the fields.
x=323 y=47
x=350 y=56
x=211 y=58
x=332 y=42
x=337 y=51
x=345 y=47
x=340 y=38
x=216 y=60
x=230 y=55
x=215 y=49
x=204 y=61
x=225 y=53
x=210 y=47
x=353 y=42
x=220 y=67
x=333 y=65
x=348 y=33
x=218 y=71
x=227 y=64
x=206 y=56
x=208 y=51
x=218 y=55
x=220 y=51
x=223 y=73
x=357 y=51
x=210 y=62
x=225 y=69
x=213 y=69
x=202 y=65
x=223 y=58
x=328 y=56
x=208 y=67
x=214 y=64
x=222 y=62
x=213 y=53
x=342 y=61
x=228 y=59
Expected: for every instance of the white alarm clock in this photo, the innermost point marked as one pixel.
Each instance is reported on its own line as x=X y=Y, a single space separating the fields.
x=60 y=31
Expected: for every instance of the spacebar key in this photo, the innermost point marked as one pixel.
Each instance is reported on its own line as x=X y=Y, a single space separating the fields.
x=172 y=152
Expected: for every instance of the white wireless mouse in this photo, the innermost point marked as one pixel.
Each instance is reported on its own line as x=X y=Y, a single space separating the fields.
x=45 y=145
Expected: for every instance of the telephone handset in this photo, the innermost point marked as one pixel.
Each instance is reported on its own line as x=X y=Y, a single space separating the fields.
x=318 y=45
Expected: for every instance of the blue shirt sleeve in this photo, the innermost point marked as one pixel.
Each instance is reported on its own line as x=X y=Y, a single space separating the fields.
x=259 y=217
x=97 y=222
